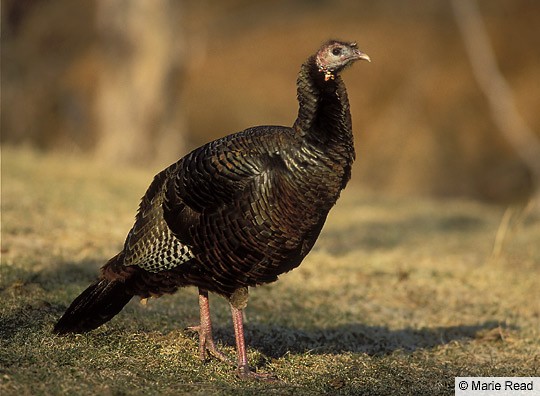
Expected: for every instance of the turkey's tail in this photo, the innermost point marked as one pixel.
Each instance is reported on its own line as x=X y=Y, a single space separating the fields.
x=96 y=305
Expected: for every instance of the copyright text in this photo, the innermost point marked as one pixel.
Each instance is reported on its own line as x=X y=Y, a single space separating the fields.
x=500 y=386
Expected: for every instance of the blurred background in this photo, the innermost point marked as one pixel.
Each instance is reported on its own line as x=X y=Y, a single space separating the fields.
x=141 y=83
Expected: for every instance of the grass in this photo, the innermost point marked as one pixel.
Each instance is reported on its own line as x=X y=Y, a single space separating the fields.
x=399 y=296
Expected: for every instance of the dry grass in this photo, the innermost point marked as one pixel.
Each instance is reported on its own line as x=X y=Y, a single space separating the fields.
x=399 y=296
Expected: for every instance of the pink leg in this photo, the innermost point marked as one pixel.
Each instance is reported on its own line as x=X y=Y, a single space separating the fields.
x=206 y=341
x=238 y=323
x=243 y=369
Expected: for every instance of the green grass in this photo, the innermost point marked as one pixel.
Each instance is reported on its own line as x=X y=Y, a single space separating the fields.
x=399 y=296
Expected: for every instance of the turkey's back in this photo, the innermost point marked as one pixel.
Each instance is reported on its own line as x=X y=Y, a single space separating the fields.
x=251 y=205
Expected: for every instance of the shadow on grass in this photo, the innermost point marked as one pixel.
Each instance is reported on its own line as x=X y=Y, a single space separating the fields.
x=30 y=298
x=276 y=341
x=271 y=340
x=55 y=277
x=370 y=236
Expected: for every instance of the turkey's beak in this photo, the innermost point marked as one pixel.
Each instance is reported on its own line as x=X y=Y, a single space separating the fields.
x=360 y=55
x=357 y=54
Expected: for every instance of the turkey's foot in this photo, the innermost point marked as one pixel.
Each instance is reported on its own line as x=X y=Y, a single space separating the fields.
x=206 y=341
x=207 y=344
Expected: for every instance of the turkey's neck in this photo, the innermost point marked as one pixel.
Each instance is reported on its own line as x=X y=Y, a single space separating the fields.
x=324 y=116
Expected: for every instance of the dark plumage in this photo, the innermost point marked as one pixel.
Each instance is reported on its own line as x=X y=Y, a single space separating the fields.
x=236 y=212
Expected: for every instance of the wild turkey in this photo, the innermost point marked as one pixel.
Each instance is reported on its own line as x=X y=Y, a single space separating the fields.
x=236 y=212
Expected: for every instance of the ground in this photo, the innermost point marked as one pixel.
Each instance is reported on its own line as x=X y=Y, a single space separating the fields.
x=399 y=296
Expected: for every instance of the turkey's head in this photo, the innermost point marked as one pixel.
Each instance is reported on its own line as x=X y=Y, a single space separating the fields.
x=334 y=56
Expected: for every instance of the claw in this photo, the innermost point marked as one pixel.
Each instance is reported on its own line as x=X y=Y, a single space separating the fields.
x=245 y=373
x=206 y=341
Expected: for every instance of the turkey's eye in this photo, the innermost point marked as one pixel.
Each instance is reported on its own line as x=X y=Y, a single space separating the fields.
x=336 y=51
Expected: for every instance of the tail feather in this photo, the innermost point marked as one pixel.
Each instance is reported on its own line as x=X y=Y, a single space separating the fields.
x=98 y=304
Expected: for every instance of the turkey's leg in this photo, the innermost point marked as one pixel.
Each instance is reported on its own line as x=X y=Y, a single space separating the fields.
x=206 y=341
x=243 y=369
x=241 y=354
